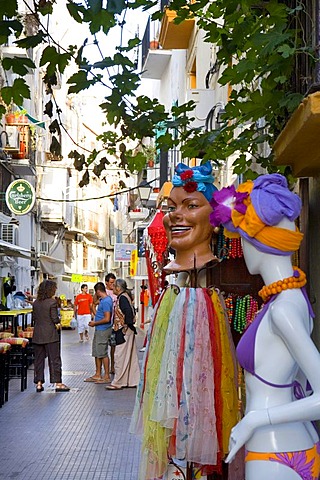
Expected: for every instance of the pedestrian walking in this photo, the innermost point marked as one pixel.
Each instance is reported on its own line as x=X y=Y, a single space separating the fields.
x=102 y=324
x=83 y=311
x=46 y=337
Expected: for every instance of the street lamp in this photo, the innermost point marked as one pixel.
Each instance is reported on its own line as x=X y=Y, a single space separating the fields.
x=144 y=190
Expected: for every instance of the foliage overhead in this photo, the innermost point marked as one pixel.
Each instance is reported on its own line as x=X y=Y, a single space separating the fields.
x=258 y=45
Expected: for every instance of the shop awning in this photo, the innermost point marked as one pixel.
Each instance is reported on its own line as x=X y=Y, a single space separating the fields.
x=51 y=265
x=11 y=250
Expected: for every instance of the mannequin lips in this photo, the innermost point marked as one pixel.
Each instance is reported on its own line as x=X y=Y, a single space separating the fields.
x=179 y=230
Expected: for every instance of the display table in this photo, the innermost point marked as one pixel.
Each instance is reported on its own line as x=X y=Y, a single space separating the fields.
x=10 y=320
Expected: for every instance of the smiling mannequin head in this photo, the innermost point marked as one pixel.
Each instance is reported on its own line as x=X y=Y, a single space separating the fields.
x=187 y=223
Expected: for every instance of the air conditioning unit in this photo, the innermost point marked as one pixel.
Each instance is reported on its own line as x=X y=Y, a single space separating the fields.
x=9 y=233
x=44 y=247
x=204 y=99
x=79 y=237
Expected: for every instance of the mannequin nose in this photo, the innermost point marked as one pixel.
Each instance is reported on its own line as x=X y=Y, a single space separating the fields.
x=176 y=214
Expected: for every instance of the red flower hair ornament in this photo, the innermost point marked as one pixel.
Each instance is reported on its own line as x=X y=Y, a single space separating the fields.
x=193 y=179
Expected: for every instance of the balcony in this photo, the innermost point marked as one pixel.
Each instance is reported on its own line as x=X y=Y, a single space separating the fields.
x=52 y=214
x=16 y=143
x=173 y=36
x=138 y=214
x=154 y=60
x=298 y=143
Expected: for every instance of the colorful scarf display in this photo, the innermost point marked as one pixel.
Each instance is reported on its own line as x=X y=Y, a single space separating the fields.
x=187 y=399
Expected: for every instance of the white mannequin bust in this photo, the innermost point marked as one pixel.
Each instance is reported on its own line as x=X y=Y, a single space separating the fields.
x=274 y=421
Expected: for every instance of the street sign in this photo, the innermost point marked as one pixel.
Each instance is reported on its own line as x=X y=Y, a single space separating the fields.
x=20 y=197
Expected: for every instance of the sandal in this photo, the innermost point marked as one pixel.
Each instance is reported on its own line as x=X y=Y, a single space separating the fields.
x=102 y=380
x=39 y=388
x=112 y=387
x=62 y=388
x=92 y=379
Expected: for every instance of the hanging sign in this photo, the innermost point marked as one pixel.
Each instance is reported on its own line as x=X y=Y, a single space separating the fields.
x=122 y=251
x=133 y=263
x=20 y=197
x=79 y=278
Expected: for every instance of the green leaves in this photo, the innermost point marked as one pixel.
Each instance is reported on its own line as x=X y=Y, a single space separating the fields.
x=79 y=81
x=54 y=60
x=257 y=49
x=32 y=41
x=9 y=27
x=16 y=93
x=18 y=65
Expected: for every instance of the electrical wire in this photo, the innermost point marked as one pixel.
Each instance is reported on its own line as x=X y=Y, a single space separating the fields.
x=110 y=195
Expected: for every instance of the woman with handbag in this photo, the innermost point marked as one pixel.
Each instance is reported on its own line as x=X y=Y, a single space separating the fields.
x=46 y=337
x=126 y=364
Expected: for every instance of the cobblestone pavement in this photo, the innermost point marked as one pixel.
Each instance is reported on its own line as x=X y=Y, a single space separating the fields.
x=79 y=435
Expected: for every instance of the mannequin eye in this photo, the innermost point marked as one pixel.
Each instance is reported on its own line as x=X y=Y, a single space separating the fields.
x=171 y=208
x=191 y=206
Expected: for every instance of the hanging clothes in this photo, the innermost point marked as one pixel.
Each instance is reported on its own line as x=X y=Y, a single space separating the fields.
x=186 y=402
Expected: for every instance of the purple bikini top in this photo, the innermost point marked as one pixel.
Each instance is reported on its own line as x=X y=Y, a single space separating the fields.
x=246 y=346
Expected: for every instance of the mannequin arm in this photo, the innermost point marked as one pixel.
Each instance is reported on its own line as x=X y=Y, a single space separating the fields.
x=290 y=322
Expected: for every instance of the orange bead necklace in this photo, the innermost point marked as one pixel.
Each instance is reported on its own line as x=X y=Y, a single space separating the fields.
x=297 y=280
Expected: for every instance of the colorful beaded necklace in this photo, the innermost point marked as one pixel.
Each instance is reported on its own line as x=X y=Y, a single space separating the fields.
x=297 y=280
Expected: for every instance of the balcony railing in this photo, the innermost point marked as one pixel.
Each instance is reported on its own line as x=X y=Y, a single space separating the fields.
x=163 y=4
x=145 y=44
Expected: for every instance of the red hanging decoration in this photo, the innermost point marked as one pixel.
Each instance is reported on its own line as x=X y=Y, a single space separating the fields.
x=156 y=246
x=157 y=235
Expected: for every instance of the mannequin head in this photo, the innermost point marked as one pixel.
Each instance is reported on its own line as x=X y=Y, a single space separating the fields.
x=187 y=223
x=260 y=262
x=255 y=211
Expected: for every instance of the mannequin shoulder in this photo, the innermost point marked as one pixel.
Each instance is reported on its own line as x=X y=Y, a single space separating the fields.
x=289 y=310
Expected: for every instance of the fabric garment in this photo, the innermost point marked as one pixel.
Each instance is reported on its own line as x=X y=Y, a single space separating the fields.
x=125 y=309
x=254 y=210
x=126 y=363
x=46 y=340
x=105 y=305
x=83 y=321
x=100 y=343
x=114 y=299
x=52 y=351
x=186 y=402
x=44 y=317
x=83 y=302
x=305 y=463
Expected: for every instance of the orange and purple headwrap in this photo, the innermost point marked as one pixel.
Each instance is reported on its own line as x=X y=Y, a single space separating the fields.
x=253 y=210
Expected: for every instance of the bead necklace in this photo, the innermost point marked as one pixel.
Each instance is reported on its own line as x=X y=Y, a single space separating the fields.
x=228 y=247
x=297 y=280
x=235 y=248
x=229 y=306
x=240 y=314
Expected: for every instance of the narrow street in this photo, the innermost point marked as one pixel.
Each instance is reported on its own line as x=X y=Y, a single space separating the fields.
x=79 y=435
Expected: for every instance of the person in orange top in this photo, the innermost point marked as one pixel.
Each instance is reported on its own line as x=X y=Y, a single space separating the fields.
x=83 y=311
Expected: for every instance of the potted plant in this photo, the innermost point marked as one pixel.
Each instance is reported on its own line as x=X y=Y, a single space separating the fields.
x=149 y=152
x=16 y=117
x=154 y=44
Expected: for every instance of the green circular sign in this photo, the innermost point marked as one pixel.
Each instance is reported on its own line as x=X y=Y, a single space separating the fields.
x=20 y=197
